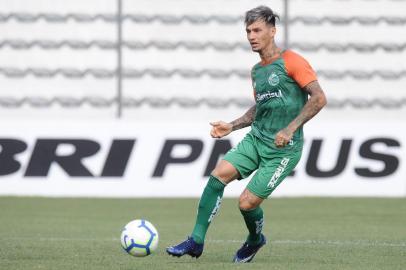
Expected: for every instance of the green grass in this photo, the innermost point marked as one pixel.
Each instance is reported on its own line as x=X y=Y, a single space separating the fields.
x=304 y=233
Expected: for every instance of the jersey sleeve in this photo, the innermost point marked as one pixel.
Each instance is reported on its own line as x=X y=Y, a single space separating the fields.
x=298 y=68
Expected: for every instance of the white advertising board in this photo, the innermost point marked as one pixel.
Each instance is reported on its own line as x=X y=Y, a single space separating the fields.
x=124 y=159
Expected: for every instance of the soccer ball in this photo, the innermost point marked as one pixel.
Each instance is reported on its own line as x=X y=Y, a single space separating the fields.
x=139 y=238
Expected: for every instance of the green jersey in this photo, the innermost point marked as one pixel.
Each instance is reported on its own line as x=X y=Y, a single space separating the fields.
x=279 y=96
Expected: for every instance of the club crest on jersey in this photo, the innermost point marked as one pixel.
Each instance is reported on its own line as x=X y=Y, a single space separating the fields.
x=273 y=79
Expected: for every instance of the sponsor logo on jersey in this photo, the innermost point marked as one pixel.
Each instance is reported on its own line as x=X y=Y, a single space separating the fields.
x=273 y=79
x=268 y=95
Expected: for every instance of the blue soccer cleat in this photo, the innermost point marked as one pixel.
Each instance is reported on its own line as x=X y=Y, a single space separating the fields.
x=247 y=252
x=189 y=247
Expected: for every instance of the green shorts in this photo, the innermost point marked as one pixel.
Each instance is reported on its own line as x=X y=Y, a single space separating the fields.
x=272 y=164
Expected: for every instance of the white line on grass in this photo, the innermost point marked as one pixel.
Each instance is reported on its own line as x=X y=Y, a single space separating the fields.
x=274 y=242
x=324 y=242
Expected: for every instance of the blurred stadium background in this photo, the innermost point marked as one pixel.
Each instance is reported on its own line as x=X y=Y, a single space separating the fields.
x=85 y=83
x=112 y=98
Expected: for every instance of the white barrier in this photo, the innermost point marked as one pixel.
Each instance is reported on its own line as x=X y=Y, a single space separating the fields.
x=117 y=159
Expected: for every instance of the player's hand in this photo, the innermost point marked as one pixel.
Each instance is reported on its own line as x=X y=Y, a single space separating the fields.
x=283 y=137
x=220 y=129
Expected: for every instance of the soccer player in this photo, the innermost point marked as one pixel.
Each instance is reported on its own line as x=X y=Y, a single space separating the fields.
x=282 y=82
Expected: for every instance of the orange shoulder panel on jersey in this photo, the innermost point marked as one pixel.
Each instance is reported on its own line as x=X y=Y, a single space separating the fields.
x=298 y=68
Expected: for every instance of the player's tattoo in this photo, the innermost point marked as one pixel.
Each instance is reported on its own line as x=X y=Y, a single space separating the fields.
x=315 y=103
x=245 y=120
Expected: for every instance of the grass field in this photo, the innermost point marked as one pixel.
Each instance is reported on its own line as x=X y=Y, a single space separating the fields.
x=304 y=233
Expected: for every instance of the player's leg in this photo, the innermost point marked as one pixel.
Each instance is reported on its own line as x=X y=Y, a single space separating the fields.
x=238 y=163
x=209 y=205
x=211 y=198
x=251 y=210
x=274 y=169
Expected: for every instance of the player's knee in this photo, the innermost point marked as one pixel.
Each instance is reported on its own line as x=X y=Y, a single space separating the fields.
x=217 y=172
x=219 y=175
x=225 y=172
x=248 y=201
x=246 y=205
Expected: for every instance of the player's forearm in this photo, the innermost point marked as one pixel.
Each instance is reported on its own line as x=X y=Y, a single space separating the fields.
x=245 y=120
x=312 y=107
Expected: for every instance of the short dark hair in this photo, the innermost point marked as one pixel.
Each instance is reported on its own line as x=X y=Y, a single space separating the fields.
x=263 y=13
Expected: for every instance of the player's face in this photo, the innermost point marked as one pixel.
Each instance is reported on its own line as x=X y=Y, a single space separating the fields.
x=260 y=35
